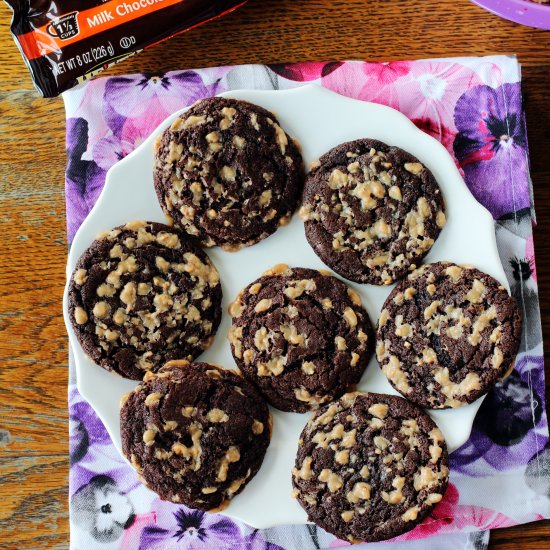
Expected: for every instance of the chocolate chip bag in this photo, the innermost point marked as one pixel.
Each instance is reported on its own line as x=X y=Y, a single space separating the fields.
x=65 y=42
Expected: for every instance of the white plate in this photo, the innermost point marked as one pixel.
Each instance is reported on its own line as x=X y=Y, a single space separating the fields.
x=318 y=119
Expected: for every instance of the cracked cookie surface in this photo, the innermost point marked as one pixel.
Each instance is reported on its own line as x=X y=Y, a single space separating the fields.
x=227 y=173
x=301 y=336
x=447 y=334
x=370 y=467
x=195 y=433
x=371 y=211
x=141 y=295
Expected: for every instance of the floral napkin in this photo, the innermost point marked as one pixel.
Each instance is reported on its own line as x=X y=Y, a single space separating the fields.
x=500 y=477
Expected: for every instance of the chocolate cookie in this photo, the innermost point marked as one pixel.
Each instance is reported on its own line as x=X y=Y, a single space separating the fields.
x=195 y=433
x=301 y=336
x=370 y=467
x=142 y=294
x=227 y=173
x=447 y=334
x=371 y=211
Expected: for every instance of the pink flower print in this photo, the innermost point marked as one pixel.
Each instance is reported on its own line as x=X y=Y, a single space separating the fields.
x=530 y=255
x=337 y=543
x=443 y=134
x=130 y=135
x=132 y=535
x=387 y=73
x=136 y=129
x=348 y=80
x=449 y=516
x=374 y=82
x=383 y=82
x=305 y=72
x=431 y=89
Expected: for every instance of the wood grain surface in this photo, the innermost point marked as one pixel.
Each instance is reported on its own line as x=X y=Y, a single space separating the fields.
x=33 y=343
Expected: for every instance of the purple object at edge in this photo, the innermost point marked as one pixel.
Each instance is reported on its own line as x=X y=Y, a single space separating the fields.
x=523 y=12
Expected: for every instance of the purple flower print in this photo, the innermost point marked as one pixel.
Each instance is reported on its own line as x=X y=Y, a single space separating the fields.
x=84 y=179
x=509 y=411
x=113 y=120
x=85 y=429
x=134 y=106
x=101 y=509
x=109 y=150
x=491 y=147
x=180 y=527
x=483 y=125
x=510 y=425
x=91 y=449
x=132 y=96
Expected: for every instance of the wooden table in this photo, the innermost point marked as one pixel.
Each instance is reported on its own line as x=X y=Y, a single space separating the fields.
x=33 y=344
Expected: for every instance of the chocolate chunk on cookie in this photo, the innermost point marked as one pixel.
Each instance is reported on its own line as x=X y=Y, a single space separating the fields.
x=141 y=295
x=370 y=467
x=371 y=211
x=301 y=336
x=195 y=433
x=227 y=173
x=446 y=334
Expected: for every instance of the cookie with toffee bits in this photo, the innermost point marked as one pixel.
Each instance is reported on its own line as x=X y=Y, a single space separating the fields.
x=371 y=211
x=370 y=467
x=227 y=173
x=447 y=334
x=141 y=295
x=195 y=433
x=301 y=336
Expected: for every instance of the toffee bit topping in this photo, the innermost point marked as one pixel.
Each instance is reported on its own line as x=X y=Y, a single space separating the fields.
x=442 y=334
x=178 y=433
x=301 y=336
x=371 y=219
x=353 y=474
x=227 y=173
x=142 y=294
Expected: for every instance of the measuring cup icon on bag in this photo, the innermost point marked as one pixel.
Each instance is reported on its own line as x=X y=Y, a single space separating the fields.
x=64 y=27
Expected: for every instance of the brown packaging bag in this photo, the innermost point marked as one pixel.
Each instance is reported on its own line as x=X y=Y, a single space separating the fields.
x=65 y=42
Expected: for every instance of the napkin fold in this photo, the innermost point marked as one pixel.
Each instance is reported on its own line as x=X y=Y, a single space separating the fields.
x=500 y=477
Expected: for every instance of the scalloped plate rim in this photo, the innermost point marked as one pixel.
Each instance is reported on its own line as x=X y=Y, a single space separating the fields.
x=87 y=370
